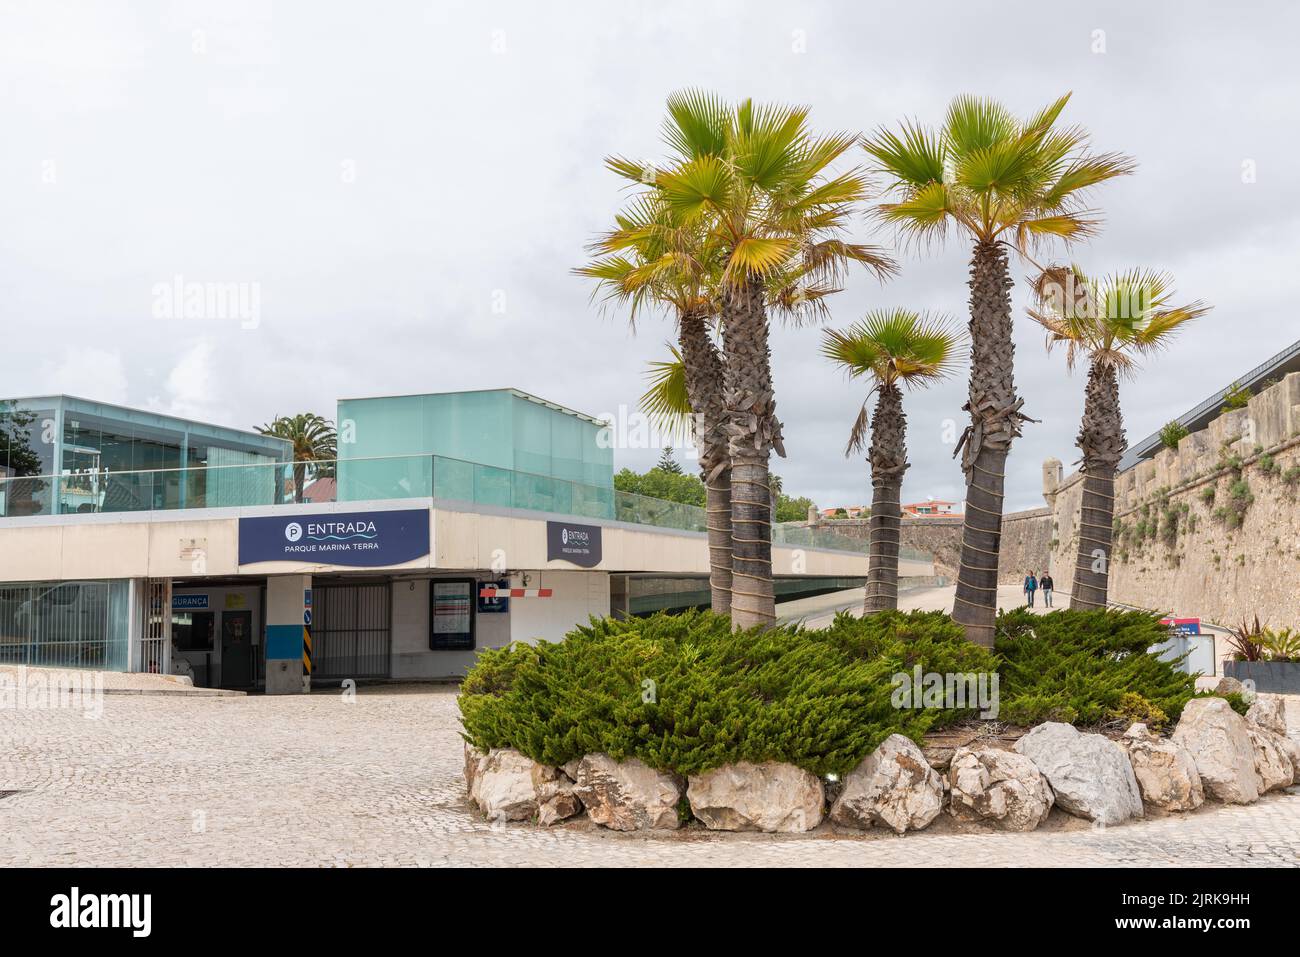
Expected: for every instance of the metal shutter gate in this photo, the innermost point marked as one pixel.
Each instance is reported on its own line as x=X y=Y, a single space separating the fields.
x=351 y=631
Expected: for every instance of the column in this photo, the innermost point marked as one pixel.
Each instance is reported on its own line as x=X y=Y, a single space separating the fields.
x=288 y=600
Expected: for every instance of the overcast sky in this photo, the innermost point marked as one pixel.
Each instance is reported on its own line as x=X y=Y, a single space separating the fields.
x=404 y=187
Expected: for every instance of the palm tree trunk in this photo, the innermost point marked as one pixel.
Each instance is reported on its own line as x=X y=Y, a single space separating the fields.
x=995 y=421
x=1101 y=439
x=718 y=513
x=299 y=477
x=753 y=432
x=888 y=458
x=704 y=388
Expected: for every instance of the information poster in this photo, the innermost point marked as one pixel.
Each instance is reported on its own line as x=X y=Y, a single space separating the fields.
x=451 y=614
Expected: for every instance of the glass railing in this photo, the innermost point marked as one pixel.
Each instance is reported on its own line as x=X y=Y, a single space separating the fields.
x=369 y=479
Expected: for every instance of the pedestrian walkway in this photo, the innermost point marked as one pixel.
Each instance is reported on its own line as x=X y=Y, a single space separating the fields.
x=375 y=778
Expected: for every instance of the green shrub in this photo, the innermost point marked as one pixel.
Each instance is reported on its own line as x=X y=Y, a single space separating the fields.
x=1236 y=396
x=684 y=693
x=1171 y=433
x=1086 y=667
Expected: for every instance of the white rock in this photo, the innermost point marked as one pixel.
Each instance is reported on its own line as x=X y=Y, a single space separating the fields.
x=503 y=786
x=1165 y=771
x=474 y=759
x=1269 y=711
x=769 y=797
x=627 y=795
x=556 y=797
x=1272 y=760
x=1219 y=743
x=509 y=786
x=1089 y=774
x=893 y=786
x=1001 y=787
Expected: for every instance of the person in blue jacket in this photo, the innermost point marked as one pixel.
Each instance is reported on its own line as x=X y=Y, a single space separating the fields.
x=1031 y=586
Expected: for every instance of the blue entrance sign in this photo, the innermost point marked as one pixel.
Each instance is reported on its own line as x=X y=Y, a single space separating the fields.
x=359 y=539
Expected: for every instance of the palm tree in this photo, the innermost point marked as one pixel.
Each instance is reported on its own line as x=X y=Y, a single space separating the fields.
x=1110 y=322
x=650 y=261
x=752 y=183
x=893 y=348
x=1002 y=182
x=313 y=439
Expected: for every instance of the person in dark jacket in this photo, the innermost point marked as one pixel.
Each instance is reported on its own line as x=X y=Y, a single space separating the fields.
x=1045 y=583
x=1031 y=586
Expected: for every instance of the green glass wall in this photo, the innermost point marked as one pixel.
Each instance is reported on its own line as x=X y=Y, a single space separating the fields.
x=485 y=444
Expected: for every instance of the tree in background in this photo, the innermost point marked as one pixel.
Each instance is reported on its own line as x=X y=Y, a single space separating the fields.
x=1109 y=322
x=892 y=348
x=667 y=486
x=790 y=509
x=314 y=441
x=1001 y=182
x=667 y=463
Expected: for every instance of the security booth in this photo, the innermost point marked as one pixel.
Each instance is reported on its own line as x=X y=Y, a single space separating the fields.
x=216 y=633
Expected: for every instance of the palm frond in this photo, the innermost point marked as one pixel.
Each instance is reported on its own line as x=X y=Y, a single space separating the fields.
x=666 y=402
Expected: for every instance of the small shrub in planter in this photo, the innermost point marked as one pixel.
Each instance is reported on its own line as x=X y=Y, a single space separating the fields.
x=1270 y=658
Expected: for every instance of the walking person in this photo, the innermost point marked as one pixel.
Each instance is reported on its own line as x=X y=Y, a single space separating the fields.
x=1031 y=586
x=1045 y=583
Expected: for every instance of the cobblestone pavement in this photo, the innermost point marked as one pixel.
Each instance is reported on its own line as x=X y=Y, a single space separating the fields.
x=171 y=781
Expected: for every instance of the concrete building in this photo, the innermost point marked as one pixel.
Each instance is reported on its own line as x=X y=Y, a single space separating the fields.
x=930 y=507
x=457 y=522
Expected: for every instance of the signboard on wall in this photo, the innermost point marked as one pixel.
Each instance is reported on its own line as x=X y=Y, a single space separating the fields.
x=451 y=613
x=579 y=544
x=358 y=539
x=489 y=606
x=189 y=601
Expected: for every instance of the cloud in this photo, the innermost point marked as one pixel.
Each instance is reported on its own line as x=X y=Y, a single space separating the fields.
x=383 y=178
x=191 y=386
x=87 y=372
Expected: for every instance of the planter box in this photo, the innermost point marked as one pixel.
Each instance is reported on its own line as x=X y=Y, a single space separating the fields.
x=1273 y=677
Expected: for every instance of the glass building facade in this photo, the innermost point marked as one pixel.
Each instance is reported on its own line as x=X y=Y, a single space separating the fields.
x=62 y=455
x=499 y=446
x=67 y=624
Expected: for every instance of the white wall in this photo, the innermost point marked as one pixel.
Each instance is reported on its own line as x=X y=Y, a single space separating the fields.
x=412 y=657
x=577 y=595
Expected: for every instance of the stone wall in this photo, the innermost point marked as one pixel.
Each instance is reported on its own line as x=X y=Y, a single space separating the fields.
x=1025 y=541
x=1179 y=548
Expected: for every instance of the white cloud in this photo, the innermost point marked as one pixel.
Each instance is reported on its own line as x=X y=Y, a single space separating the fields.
x=87 y=372
x=191 y=385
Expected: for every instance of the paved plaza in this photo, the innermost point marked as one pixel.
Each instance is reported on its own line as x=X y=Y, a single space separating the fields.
x=376 y=780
